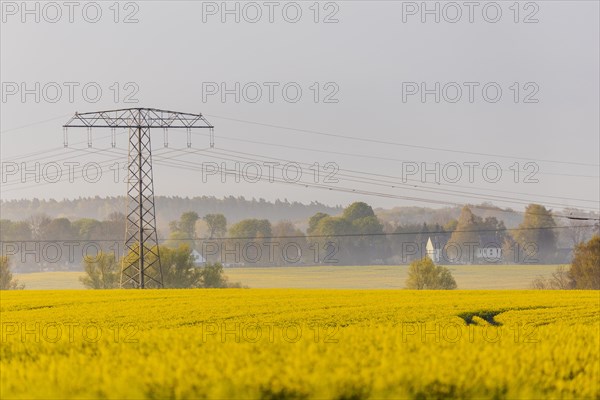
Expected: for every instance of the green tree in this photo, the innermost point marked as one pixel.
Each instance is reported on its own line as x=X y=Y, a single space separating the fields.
x=178 y=238
x=213 y=277
x=183 y=231
x=180 y=272
x=247 y=241
x=330 y=227
x=367 y=225
x=290 y=244
x=493 y=232
x=451 y=225
x=251 y=228
x=369 y=245
x=86 y=228
x=14 y=231
x=406 y=242
x=7 y=282
x=217 y=225
x=535 y=235
x=101 y=271
x=585 y=266
x=178 y=268
x=355 y=237
x=330 y=241
x=423 y=274
x=59 y=229
x=186 y=224
x=464 y=237
x=314 y=221
x=332 y=233
x=114 y=226
x=358 y=210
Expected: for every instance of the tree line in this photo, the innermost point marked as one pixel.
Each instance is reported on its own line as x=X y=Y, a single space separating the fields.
x=168 y=208
x=357 y=236
x=354 y=236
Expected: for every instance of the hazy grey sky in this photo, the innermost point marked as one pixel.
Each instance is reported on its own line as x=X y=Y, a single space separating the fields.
x=370 y=62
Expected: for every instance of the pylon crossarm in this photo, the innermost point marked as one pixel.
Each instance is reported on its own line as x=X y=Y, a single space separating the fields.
x=138 y=117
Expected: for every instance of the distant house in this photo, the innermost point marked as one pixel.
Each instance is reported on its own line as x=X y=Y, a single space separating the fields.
x=199 y=260
x=433 y=252
x=489 y=254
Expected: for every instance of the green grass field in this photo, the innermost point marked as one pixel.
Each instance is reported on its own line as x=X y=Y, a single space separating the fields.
x=336 y=277
x=299 y=344
x=50 y=280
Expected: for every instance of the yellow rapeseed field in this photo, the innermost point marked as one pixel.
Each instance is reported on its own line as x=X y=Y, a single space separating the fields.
x=279 y=344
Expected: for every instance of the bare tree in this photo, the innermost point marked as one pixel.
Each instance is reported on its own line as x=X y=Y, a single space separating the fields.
x=7 y=282
x=580 y=230
x=37 y=223
x=559 y=280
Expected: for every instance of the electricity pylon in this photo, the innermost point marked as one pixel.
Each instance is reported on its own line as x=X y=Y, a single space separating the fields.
x=141 y=264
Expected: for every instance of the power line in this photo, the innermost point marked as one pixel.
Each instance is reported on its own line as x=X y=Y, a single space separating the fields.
x=373 y=157
x=364 y=173
x=105 y=165
x=408 y=186
x=36 y=153
x=35 y=123
x=426 y=183
x=287 y=128
x=314 y=132
x=62 y=148
x=199 y=167
x=347 y=190
x=306 y=184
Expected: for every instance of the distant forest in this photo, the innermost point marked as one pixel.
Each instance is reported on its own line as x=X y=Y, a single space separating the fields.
x=235 y=209
x=167 y=208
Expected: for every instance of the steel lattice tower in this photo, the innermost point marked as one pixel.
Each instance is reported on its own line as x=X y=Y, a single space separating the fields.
x=141 y=265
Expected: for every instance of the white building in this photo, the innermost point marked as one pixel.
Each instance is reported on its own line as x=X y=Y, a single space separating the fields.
x=490 y=254
x=199 y=260
x=432 y=252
